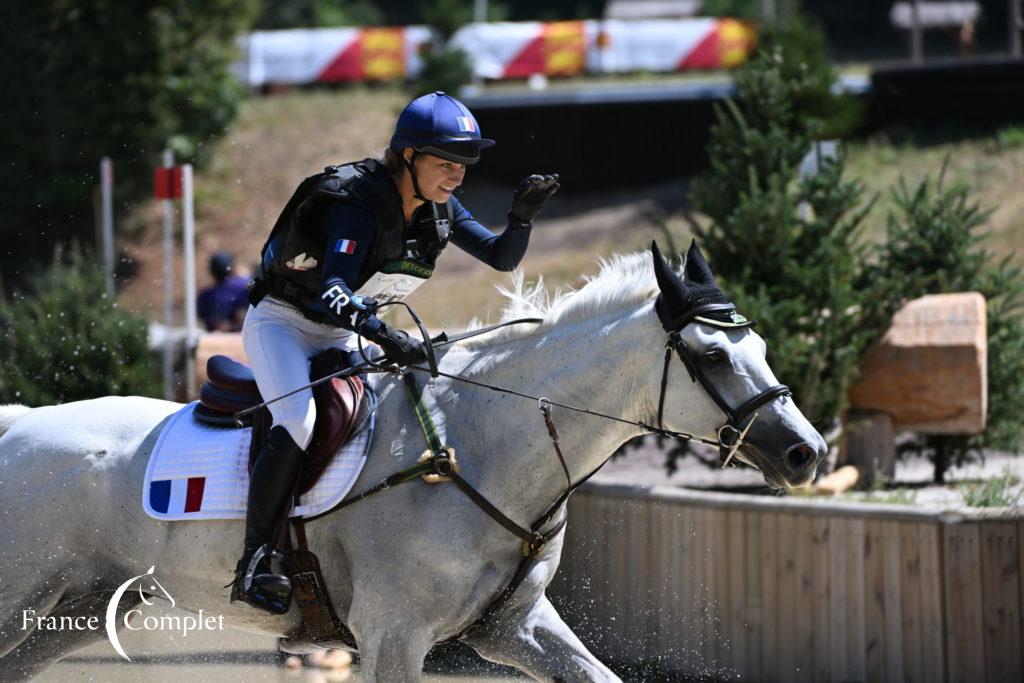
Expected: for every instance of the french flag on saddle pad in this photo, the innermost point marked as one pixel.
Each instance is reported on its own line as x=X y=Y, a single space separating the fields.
x=345 y=247
x=175 y=496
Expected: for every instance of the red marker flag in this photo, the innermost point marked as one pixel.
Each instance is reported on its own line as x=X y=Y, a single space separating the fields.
x=167 y=182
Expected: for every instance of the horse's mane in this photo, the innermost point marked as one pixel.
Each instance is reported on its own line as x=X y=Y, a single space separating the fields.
x=624 y=281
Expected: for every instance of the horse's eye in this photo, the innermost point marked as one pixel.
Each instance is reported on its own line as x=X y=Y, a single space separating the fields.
x=715 y=355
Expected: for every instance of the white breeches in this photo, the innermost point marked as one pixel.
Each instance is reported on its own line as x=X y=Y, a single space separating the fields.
x=280 y=342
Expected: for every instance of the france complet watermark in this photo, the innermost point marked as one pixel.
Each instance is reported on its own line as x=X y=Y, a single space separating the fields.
x=133 y=619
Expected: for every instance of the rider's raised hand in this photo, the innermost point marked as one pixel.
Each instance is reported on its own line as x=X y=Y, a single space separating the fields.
x=530 y=196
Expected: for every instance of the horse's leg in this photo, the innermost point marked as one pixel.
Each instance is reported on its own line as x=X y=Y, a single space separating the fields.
x=43 y=648
x=393 y=654
x=18 y=623
x=538 y=643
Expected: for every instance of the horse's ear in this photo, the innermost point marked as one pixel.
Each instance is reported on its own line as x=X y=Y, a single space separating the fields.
x=697 y=269
x=673 y=290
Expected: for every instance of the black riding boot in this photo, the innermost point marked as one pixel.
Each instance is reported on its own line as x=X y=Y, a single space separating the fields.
x=270 y=490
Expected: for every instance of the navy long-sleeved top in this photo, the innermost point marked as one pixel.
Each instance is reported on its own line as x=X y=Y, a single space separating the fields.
x=351 y=228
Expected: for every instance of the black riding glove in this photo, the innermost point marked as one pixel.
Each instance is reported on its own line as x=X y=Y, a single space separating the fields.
x=530 y=196
x=398 y=346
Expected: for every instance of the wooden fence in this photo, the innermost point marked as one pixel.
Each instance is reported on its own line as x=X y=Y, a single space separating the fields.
x=726 y=586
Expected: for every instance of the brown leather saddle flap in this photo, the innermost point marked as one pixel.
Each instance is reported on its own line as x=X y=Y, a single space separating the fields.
x=337 y=409
x=339 y=403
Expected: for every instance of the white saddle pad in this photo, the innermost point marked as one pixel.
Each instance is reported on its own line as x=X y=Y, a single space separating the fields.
x=201 y=472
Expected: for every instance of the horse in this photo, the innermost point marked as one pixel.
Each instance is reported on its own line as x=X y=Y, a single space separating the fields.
x=417 y=564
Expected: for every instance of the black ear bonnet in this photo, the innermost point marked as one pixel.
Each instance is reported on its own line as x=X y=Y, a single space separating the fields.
x=698 y=297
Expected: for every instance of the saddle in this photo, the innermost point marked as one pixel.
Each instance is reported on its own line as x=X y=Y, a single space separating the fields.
x=230 y=387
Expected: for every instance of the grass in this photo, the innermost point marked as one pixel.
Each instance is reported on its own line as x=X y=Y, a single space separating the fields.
x=889 y=497
x=996 y=492
x=1010 y=137
x=1002 y=491
x=880 y=493
x=992 y=166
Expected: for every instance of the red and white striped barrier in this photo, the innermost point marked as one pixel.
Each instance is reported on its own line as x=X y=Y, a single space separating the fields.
x=332 y=55
x=504 y=49
x=497 y=50
x=670 y=45
x=517 y=50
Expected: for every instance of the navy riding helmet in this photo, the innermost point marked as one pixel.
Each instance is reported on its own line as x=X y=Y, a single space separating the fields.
x=439 y=124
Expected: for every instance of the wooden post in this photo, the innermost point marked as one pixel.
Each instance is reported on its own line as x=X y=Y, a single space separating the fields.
x=168 y=351
x=107 y=184
x=869 y=445
x=189 y=239
x=1015 y=23
x=916 y=33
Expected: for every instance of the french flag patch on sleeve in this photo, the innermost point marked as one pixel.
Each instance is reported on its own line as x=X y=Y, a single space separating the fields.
x=175 y=496
x=345 y=247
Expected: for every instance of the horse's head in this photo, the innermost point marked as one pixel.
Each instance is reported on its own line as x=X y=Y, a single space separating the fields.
x=746 y=410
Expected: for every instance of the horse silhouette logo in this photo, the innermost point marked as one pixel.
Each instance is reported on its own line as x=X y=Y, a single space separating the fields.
x=148 y=585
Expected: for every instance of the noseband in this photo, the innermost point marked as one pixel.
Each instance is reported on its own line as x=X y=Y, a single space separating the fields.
x=732 y=433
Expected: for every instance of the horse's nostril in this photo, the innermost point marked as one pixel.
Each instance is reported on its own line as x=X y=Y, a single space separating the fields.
x=800 y=455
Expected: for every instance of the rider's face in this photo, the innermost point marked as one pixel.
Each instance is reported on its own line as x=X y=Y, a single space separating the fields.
x=438 y=177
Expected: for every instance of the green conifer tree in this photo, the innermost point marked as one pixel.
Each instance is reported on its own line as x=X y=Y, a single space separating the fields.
x=786 y=248
x=65 y=340
x=83 y=80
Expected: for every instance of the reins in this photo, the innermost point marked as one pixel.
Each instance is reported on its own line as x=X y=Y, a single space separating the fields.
x=370 y=365
x=505 y=390
x=439 y=461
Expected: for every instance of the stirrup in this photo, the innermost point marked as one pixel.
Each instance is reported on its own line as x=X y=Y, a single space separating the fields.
x=243 y=590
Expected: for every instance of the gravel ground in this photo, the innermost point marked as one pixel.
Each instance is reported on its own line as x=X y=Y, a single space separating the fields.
x=228 y=656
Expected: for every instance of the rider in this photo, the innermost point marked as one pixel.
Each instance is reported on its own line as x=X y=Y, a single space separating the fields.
x=352 y=237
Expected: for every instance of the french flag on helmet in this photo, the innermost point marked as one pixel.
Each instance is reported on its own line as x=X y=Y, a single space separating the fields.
x=439 y=124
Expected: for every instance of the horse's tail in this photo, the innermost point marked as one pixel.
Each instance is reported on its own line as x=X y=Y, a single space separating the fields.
x=11 y=414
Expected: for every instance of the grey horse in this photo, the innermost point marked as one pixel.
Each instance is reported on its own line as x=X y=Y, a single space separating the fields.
x=416 y=564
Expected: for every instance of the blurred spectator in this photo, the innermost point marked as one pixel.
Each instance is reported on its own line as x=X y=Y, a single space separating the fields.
x=966 y=39
x=222 y=306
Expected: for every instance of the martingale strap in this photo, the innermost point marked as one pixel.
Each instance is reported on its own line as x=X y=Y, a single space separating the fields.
x=441 y=464
x=441 y=455
x=533 y=539
x=422 y=413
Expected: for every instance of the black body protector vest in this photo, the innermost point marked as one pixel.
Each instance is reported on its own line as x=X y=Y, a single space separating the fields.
x=397 y=263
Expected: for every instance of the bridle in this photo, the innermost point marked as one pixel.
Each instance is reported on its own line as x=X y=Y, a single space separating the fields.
x=732 y=433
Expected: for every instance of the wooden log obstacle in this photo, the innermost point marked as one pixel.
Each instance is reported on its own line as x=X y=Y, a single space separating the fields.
x=928 y=374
